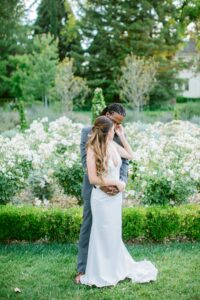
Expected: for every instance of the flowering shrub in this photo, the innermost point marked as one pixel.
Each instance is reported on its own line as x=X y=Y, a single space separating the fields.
x=41 y=185
x=71 y=179
x=15 y=165
x=40 y=149
x=165 y=168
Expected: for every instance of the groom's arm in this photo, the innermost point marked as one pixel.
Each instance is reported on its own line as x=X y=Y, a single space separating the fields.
x=124 y=170
x=125 y=162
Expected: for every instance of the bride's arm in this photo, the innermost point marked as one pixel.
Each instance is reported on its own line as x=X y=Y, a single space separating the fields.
x=125 y=151
x=92 y=172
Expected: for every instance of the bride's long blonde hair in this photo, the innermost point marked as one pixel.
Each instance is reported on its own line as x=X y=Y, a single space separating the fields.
x=98 y=142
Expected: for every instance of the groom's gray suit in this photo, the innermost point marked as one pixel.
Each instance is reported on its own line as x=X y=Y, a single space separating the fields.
x=86 y=194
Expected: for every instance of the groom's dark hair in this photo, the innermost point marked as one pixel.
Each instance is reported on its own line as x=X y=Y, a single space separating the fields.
x=114 y=107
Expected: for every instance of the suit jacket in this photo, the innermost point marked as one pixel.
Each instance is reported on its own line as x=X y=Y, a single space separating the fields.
x=87 y=187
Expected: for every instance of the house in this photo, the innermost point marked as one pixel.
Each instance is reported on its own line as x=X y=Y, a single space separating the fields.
x=191 y=83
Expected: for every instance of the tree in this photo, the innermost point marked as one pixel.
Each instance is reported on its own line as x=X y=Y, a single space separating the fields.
x=57 y=18
x=69 y=87
x=98 y=103
x=13 y=38
x=34 y=73
x=112 y=29
x=194 y=33
x=44 y=60
x=137 y=80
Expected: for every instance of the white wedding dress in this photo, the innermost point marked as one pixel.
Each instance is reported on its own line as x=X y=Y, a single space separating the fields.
x=108 y=259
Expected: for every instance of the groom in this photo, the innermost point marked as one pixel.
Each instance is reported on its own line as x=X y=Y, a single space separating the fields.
x=116 y=113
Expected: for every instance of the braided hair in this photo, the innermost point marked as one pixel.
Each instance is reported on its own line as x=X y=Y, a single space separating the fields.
x=114 y=107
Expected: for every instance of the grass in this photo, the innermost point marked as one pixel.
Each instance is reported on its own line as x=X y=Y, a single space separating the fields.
x=47 y=271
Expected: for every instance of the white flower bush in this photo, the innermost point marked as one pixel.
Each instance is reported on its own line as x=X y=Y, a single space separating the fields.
x=32 y=157
x=165 y=169
x=166 y=166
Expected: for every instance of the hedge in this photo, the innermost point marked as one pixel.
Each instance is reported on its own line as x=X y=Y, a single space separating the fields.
x=63 y=225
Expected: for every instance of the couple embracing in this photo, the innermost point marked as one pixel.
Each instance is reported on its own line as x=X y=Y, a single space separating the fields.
x=103 y=259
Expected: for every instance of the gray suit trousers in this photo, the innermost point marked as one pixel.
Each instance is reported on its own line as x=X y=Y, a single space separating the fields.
x=85 y=228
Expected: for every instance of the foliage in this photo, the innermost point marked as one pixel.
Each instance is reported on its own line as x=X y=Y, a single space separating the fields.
x=22 y=116
x=167 y=83
x=68 y=87
x=56 y=17
x=137 y=80
x=98 y=103
x=41 y=185
x=157 y=178
x=161 y=151
x=34 y=73
x=14 y=180
x=160 y=190
x=63 y=225
x=71 y=179
x=113 y=29
x=187 y=110
x=13 y=38
x=43 y=59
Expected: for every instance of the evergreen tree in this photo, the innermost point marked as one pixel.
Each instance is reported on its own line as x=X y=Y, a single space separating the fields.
x=13 y=38
x=56 y=17
x=98 y=103
x=112 y=29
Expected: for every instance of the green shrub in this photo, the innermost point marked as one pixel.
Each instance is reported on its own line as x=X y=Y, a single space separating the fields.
x=188 y=110
x=21 y=223
x=190 y=222
x=98 y=103
x=157 y=191
x=63 y=225
x=40 y=186
x=162 y=223
x=32 y=223
x=160 y=190
x=11 y=184
x=181 y=99
x=134 y=221
x=71 y=179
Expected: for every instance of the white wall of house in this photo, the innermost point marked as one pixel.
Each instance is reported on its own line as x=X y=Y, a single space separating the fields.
x=191 y=87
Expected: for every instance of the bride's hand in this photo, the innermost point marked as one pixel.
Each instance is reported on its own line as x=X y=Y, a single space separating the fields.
x=119 y=129
x=121 y=186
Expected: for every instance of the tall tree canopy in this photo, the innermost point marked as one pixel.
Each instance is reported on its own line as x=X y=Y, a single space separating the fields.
x=12 y=37
x=56 y=17
x=112 y=29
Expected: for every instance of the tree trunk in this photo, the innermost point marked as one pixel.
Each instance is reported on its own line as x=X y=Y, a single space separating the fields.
x=45 y=101
x=137 y=113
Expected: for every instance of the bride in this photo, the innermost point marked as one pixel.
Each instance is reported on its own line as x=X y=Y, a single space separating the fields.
x=108 y=259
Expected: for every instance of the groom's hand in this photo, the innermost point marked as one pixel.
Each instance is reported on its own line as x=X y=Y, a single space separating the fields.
x=110 y=190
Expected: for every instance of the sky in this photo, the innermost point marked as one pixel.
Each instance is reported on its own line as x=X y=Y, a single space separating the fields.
x=32 y=11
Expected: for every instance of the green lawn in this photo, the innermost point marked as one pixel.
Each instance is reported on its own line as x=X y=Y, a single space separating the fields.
x=47 y=271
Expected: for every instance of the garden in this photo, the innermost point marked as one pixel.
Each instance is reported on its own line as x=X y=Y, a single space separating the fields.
x=61 y=63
